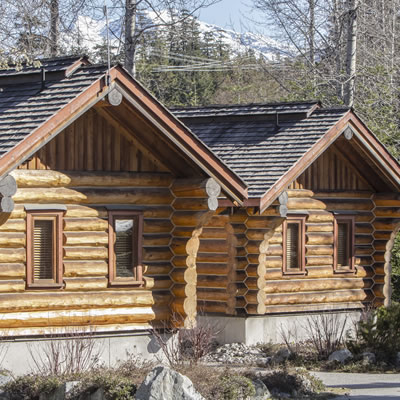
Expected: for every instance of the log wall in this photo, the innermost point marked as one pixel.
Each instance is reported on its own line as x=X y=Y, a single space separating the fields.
x=320 y=287
x=86 y=298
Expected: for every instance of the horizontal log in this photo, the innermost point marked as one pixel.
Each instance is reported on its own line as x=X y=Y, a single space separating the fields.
x=255 y=309
x=212 y=307
x=85 y=238
x=386 y=200
x=305 y=204
x=77 y=300
x=364 y=229
x=213 y=246
x=312 y=285
x=349 y=205
x=162 y=298
x=211 y=257
x=156 y=254
x=12 y=255
x=336 y=296
x=12 y=239
x=319 y=260
x=387 y=212
x=85 y=224
x=257 y=222
x=183 y=290
x=364 y=251
x=18 y=212
x=185 y=307
x=294 y=193
x=84 y=253
x=273 y=262
x=217 y=221
x=212 y=295
x=187 y=218
x=49 y=178
x=140 y=196
x=319 y=250
x=13 y=225
x=319 y=216
x=85 y=268
x=327 y=271
x=162 y=283
x=9 y=286
x=255 y=283
x=154 y=269
x=162 y=313
x=363 y=240
x=382 y=235
x=212 y=281
x=364 y=217
x=85 y=283
x=191 y=204
x=78 y=211
x=184 y=275
x=255 y=297
x=162 y=239
x=12 y=271
x=195 y=188
x=212 y=268
x=319 y=227
x=346 y=195
x=157 y=226
x=83 y=317
x=319 y=238
x=386 y=224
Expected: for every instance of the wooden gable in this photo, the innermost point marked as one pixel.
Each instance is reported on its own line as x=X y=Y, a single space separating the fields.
x=91 y=143
x=332 y=171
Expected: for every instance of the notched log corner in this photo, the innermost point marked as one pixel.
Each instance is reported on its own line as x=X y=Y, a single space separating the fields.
x=8 y=187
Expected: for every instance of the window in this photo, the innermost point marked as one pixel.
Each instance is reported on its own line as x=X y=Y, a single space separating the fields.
x=125 y=247
x=294 y=245
x=343 y=255
x=44 y=249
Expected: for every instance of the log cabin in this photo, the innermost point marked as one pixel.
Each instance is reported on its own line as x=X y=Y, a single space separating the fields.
x=117 y=214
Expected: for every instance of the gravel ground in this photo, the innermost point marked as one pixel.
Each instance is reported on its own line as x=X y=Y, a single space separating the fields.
x=363 y=386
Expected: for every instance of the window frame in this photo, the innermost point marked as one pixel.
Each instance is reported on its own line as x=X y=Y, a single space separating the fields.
x=137 y=246
x=301 y=221
x=57 y=218
x=350 y=221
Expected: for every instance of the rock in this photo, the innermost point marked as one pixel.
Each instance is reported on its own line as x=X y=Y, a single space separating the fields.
x=97 y=395
x=281 y=356
x=164 y=383
x=69 y=386
x=368 y=358
x=58 y=394
x=341 y=356
x=4 y=379
x=262 y=392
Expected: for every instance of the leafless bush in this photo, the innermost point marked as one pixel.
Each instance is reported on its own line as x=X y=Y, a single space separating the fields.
x=186 y=345
x=76 y=353
x=326 y=332
x=290 y=338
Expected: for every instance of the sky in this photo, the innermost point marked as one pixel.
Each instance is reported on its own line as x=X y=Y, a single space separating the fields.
x=226 y=14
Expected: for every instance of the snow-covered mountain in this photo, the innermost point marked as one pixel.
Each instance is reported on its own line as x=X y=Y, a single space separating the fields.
x=90 y=34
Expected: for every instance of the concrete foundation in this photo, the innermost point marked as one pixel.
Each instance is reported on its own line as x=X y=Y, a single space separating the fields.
x=25 y=355
x=275 y=328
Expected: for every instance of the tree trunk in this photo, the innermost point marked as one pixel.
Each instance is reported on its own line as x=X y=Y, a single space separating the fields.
x=130 y=40
x=311 y=36
x=54 y=28
x=351 y=52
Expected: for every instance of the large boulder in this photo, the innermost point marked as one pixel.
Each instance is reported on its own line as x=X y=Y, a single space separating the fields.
x=164 y=383
x=368 y=358
x=341 y=356
x=262 y=391
x=281 y=356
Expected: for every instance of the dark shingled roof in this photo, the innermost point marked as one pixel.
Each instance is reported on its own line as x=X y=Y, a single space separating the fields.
x=248 y=140
x=26 y=106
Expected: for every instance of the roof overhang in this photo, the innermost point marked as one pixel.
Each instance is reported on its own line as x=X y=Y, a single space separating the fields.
x=174 y=130
x=377 y=154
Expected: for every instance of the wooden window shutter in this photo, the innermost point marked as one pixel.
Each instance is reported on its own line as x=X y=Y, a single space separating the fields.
x=294 y=245
x=125 y=247
x=43 y=254
x=344 y=243
x=44 y=249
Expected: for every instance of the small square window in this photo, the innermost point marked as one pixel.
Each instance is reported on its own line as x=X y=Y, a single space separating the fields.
x=125 y=248
x=44 y=249
x=343 y=255
x=294 y=245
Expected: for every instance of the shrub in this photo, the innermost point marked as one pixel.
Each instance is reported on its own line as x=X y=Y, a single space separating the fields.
x=29 y=387
x=378 y=332
x=234 y=387
x=115 y=385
